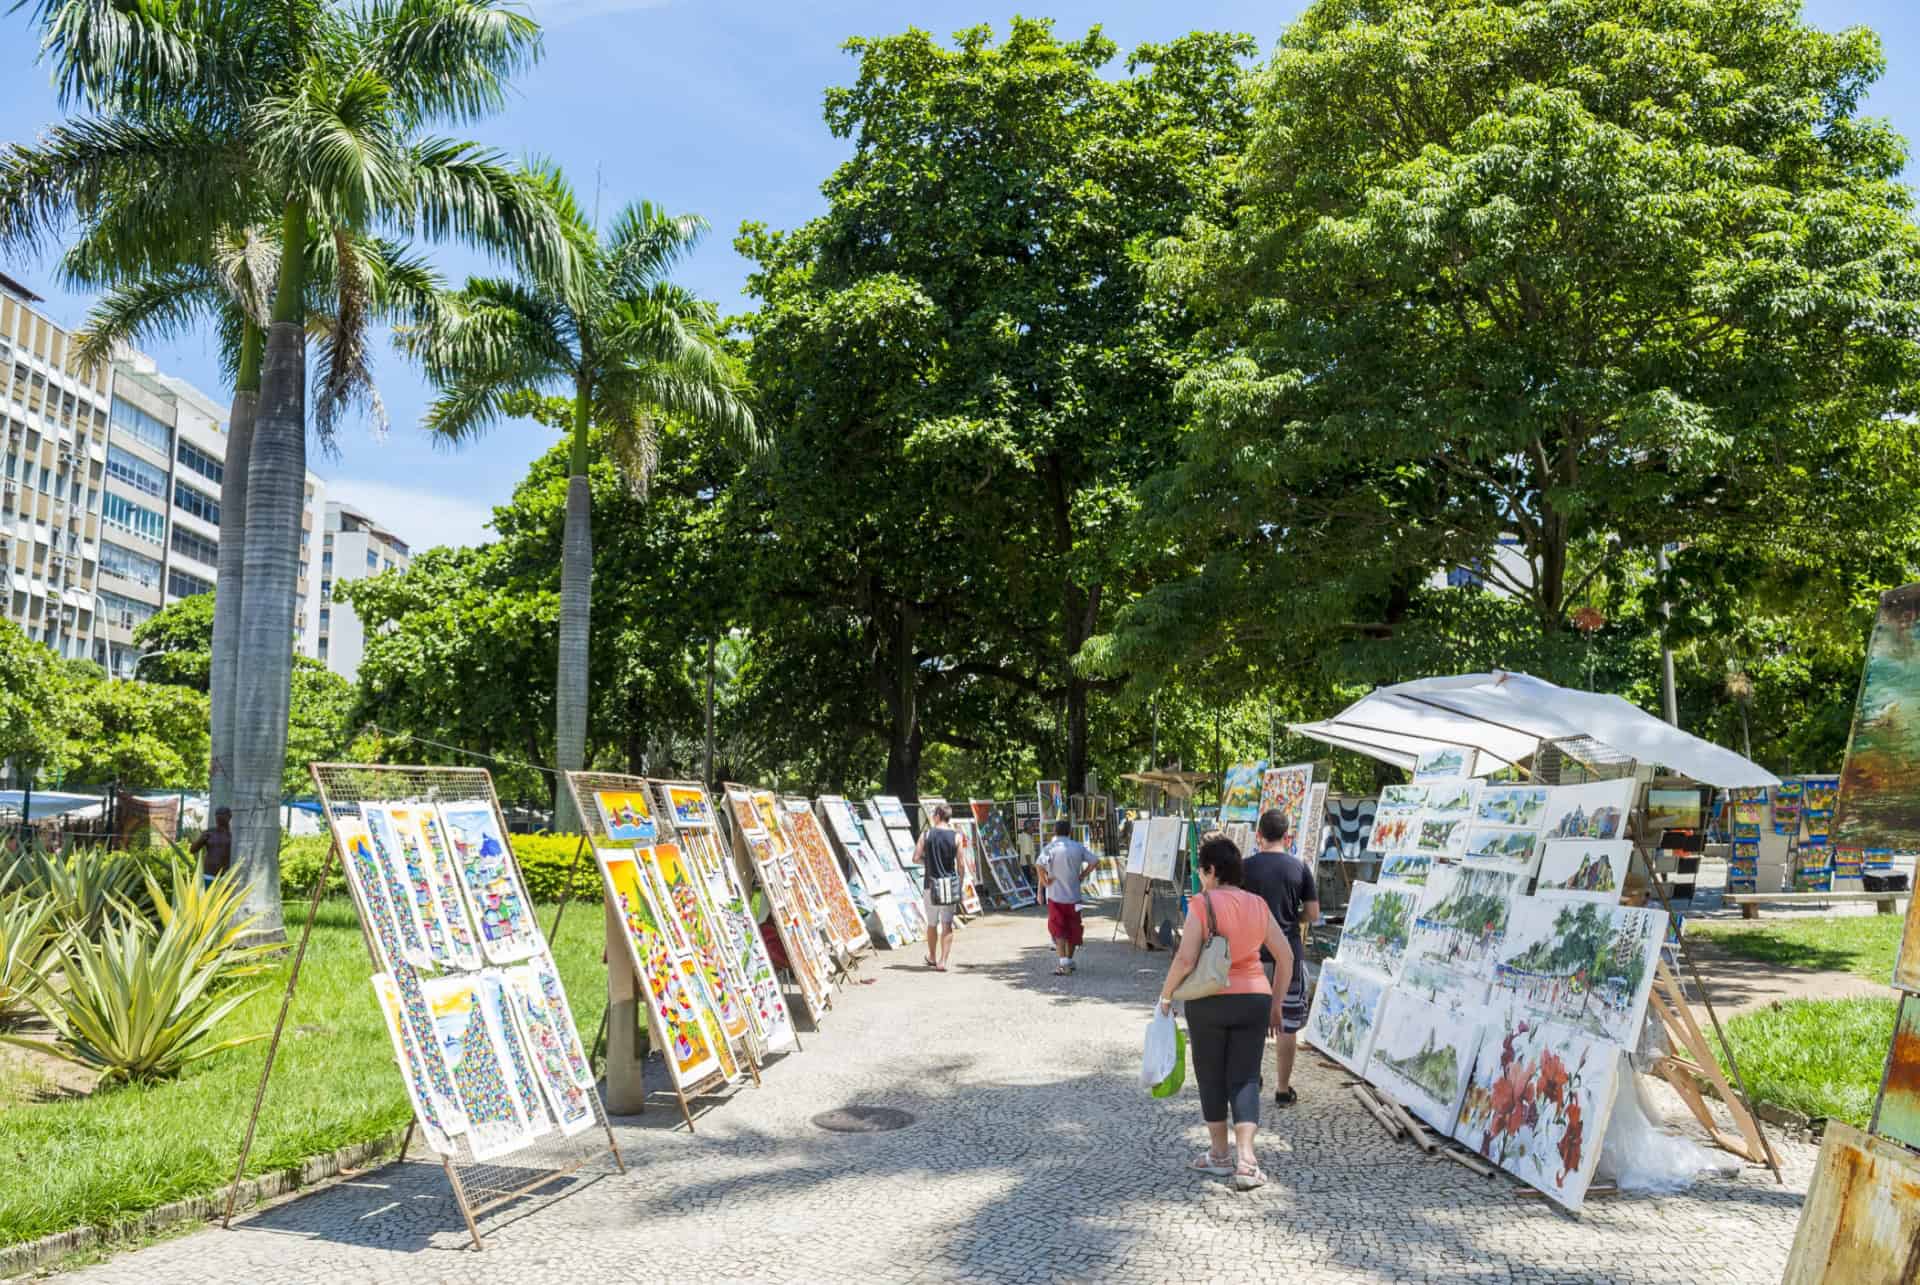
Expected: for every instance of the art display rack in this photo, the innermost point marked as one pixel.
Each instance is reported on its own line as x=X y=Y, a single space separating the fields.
x=477 y=1186
x=743 y=854
x=623 y=982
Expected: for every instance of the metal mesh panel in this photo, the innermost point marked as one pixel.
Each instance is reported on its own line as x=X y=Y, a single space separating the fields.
x=1578 y=759
x=479 y=1185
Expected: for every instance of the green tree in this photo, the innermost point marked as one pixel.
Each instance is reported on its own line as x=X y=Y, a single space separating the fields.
x=176 y=643
x=140 y=735
x=34 y=704
x=627 y=345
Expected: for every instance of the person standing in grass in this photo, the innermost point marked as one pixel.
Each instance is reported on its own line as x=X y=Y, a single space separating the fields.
x=1063 y=864
x=217 y=843
x=1286 y=884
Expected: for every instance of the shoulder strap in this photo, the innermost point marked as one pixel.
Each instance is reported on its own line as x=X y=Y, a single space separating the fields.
x=1206 y=900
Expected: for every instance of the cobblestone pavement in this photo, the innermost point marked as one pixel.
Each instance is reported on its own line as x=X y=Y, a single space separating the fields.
x=1035 y=1157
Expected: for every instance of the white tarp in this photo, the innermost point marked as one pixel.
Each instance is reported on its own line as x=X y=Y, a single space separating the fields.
x=1506 y=715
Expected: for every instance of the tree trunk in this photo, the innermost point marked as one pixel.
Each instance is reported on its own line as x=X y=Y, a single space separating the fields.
x=576 y=609
x=229 y=585
x=707 y=761
x=903 y=706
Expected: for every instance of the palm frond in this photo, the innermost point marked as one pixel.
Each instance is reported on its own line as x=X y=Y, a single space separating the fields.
x=161 y=307
x=109 y=51
x=450 y=59
x=343 y=372
x=471 y=194
x=645 y=243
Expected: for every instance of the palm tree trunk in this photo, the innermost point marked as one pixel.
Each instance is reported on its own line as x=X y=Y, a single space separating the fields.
x=229 y=585
x=576 y=607
x=276 y=481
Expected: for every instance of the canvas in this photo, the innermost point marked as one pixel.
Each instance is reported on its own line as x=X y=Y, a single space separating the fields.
x=1672 y=810
x=433 y=1107
x=491 y=883
x=904 y=849
x=1585 y=869
x=1538 y=1102
x=1860 y=1224
x=382 y=897
x=477 y=1060
x=840 y=816
x=1409 y=868
x=1878 y=803
x=1346 y=1008
x=1443 y=837
x=691 y=978
x=1502 y=847
x=425 y=821
x=1163 y=847
x=1137 y=846
x=1403 y=796
x=1240 y=792
x=1897 y=1114
x=1594 y=811
x=675 y=1007
x=740 y=803
x=806 y=954
x=1422 y=1057
x=1448 y=799
x=400 y=848
x=892 y=815
x=1053 y=802
x=627 y=815
x=1379 y=918
x=773 y=821
x=1394 y=829
x=819 y=867
x=1906 y=959
x=679 y=897
x=1288 y=788
x=690 y=806
x=1524 y=806
x=1442 y=760
x=1462 y=918
x=553 y=1048
x=1582 y=964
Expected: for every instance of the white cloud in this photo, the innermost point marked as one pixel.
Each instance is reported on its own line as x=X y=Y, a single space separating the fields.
x=556 y=13
x=422 y=518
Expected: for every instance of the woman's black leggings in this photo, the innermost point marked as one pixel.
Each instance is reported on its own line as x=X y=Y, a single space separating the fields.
x=1228 y=1036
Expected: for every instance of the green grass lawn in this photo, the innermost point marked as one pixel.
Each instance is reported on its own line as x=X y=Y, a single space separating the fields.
x=1859 y=944
x=103 y=1159
x=1820 y=1057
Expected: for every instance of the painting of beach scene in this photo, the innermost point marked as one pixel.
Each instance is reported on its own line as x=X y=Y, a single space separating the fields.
x=1502 y=847
x=1346 y=1006
x=1462 y=918
x=1580 y=963
x=1442 y=760
x=1409 y=868
x=1582 y=869
x=1378 y=920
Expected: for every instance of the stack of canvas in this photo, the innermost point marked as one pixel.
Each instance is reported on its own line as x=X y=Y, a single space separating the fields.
x=1009 y=878
x=802 y=928
x=1496 y=1016
x=479 y=1020
x=876 y=876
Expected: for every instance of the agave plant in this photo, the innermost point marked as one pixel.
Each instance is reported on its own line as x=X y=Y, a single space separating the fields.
x=84 y=886
x=210 y=912
x=27 y=936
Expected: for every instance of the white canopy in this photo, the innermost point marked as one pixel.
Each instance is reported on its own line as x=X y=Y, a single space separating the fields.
x=1505 y=716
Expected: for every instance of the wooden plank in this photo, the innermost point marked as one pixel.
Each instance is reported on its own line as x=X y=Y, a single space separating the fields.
x=1861 y=1220
x=1757 y=1148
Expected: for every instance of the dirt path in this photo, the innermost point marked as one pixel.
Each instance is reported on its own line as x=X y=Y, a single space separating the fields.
x=1739 y=985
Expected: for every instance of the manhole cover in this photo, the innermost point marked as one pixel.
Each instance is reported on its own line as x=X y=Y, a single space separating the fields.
x=858 y=1119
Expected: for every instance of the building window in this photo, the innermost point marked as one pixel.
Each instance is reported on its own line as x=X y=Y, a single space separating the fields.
x=373 y=560
x=200 y=462
x=197 y=547
x=326 y=562
x=131 y=517
x=135 y=472
x=202 y=506
x=125 y=612
x=142 y=427
x=323 y=649
x=129 y=565
x=326 y=616
x=182 y=585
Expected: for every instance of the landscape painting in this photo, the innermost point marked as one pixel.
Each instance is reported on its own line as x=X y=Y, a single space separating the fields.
x=1444 y=760
x=1451 y=799
x=626 y=815
x=1422 y=1058
x=1579 y=868
x=1346 y=1007
x=1898 y=1115
x=491 y=883
x=1394 y=829
x=1672 y=810
x=1594 y=811
x=1582 y=964
x=1518 y=805
x=1538 y=1102
x=477 y=1061
x=690 y=806
x=1878 y=804
x=1403 y=796
x=1378 y=920
x=894 y=817
x=1446 y=837
x=1240 y=792
x=1462 y=918
x=1502 y=848
x=1411 y=868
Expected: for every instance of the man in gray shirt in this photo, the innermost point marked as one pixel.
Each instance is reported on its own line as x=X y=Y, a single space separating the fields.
x=1063 y=864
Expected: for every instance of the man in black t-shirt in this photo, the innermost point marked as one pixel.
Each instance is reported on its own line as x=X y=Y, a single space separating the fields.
x=1285 y=883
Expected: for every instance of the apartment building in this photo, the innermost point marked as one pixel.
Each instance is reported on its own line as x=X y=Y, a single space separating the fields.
x=353 y=546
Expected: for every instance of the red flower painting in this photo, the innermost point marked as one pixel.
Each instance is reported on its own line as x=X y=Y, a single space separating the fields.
x=1534 y=1090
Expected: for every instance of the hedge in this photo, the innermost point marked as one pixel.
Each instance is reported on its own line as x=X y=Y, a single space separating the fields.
x=545 y=861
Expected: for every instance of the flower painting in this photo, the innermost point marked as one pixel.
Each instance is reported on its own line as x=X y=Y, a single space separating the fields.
x=1422 y=1057
x=1394 y=829
x=1580 y=963
x=1379 y=918
x=1537 y=1103
x=1584 y=870
x=626 y=815
x=1346 y=1006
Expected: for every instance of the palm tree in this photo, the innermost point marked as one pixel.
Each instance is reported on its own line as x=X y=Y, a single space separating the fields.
x=202 y=117
x=629 y=346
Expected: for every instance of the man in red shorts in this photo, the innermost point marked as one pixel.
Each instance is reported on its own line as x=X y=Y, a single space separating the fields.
x=1063 y=864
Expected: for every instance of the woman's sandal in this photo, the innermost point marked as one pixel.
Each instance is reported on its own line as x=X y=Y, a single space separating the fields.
x=1247 y=1177
x=1218 y=1166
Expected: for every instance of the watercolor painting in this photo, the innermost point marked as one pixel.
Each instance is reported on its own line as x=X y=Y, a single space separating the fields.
x=1137 y=846
x=894 y=816
x=1898 y=1114
x=1287 y=789
x=1583 y=869
x=1582 y=964
x=1422 y=1057
x=1878 y=805
x=1240 y=792
x=1449 y=799
x=1515 y=805
x=1163 y=846
x=1461 y=921
x=1672 y=810
x=1410 y=868
x=540 y=1029
x=1594 y=811
x=627 y=815
x=1379 y=917
x=680 y=897
x=690 y=806
x=401 y=850
x=846 y=826
x=382 y=897
x=1403 y=796
x=1446 y=837
x=477 y=1059
x=676 y=1008
x=1502 y=848
x=903 y=846
x=1394 y=829
x=446 y=881
x=497 y=1003
x=1860 y=1224
x=1443 y=760
x=1346 y=1007
x=821 y=868
x=1538 y=1102
x=438 y=1117
x=491 y=883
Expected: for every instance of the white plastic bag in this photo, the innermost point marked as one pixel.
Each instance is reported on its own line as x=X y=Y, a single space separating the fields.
x=1162 y=1050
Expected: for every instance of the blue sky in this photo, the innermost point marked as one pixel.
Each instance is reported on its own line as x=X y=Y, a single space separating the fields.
x=711 y=106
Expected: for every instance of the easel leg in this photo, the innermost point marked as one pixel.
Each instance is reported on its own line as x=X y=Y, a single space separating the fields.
x=460 y=1199
x=685 y=1110
x=279 y=1025
x=566 y=892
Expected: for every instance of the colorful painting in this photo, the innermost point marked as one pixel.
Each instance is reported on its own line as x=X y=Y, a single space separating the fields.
x=1819 y=793
x=491 y=883
x=383 y=899
x=744 y=816
x=1379 y=918
x=1594 y=811
x=1443 y=760
x=1458 y=926
x=1403 y=796
x=1582 y=964
x=679 y=897
x=1897 y=1115
x=627 y=815
x=396 y=838
x=691 y=807
x=821 y=869
x=1502 y=848
x=1422 y=1058
x=1240 y=792
x=675 y=1007
x=1672 y=810
x=1860 y=1224
x=476 y=1057
x=1394 y=829
x=894 y=817
x=446 y=881
x=1346 y=1009
x=1538 y=1102
x=553 y=1046
x=1053 y=803
x=1451 y=798
x=1906 y=959
x=1580 y=868
x=1446 y=837
x=1409 y=868
x=497 y=1002
x=752 y=965
x=806 y=950
x=767 y=808
x=1524 y=806
x=1287 y=788
x=1313 y=823
x=437 y=1114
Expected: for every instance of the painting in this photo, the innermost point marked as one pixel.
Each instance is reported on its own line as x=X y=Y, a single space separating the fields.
x=679 y=896
x=433 y=1108
x=1379 y=917
x=1860 y=1224
x=735 y=921
x=1137 y=846
x=1462 y=918
x=382 y=898
x=1403 y=796
x=1580 y=868
x=484 y=863
x=1163 y=847
x=740 y=803
x=1672 y=810
x=1313 y=823
x=691 y=807
x=819 y=866
x=425 y=822
x=1053 y=803
x=1346 y=1006
x=554 y=1046
x=1581 y=964
x=397 y=842
x=1594 y=811
x=1287 y=788
x=675 y=1008
x=1410 y=868
x=1394 y=829
x=1422 y=1057
x=496 y=1001
x=767 y=808
x=1538 y=1101
x=476 y=1057
x=1819 y=793
x=904 y=849
x=840 y=816
x=1898 y=1114
x=1906 y=959
x=1443 y=837
x=1451 y=798
x=1240 y=792
x=805 y=952
x=1442 y=760
x=626 y=815
x=1502 y=848
x=1516 y=805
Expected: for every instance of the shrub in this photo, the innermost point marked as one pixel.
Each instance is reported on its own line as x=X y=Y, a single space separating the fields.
x=85 y=886
x=547 y=863
x=27 y=934
x=300 y=861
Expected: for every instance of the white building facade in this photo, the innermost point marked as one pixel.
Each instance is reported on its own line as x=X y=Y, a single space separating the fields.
x=352 y=547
